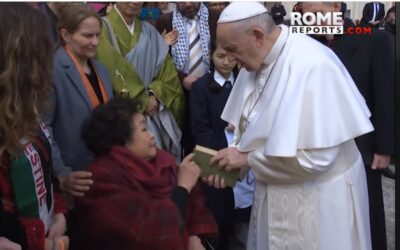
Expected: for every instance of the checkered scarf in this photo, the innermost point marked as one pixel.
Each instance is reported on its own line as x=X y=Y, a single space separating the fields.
x=180 y=49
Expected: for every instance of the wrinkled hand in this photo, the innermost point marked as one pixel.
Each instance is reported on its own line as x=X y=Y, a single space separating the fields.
x=188 y=81
x=188 y=173
x=195 y=243
x=76 y=183
x=6 y=244
x=380 y=161
x=152 y=105
x=59 y=226
x=214 y=181
x=58 y=243
x=170 y=37
x=230 y=158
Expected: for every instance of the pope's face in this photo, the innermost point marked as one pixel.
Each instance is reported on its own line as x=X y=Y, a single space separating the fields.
x=243 y=46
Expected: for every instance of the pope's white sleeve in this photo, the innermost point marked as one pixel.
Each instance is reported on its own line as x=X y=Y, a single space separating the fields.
x=305 y=165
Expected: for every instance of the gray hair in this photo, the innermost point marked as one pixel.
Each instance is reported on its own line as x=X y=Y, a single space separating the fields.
x=263 y=21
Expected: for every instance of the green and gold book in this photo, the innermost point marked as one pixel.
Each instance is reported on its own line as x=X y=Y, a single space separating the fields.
x=202 y=156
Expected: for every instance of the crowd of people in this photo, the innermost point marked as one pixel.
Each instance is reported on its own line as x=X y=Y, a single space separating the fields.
x=103 y=103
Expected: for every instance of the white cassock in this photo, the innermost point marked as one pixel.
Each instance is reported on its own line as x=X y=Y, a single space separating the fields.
x=311 y=190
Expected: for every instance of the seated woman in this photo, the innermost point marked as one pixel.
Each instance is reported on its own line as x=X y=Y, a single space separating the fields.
x=139 y=199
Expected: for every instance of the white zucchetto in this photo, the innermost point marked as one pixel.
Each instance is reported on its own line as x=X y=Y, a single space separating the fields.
x=241 y=10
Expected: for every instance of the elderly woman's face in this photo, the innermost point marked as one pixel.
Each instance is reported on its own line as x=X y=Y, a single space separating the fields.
x=142 y=142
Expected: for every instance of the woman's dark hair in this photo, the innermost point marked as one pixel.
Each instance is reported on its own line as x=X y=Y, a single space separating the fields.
x=110 y=124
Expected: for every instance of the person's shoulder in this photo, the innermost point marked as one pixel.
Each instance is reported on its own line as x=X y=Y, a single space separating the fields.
x=306 y=49
x=59 y=53
x=308 y=55
x=61 y=58
x=380 y=35
x=202 y=82
x=102 y=167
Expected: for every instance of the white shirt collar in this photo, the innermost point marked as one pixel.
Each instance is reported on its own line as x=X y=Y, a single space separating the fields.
x=131 y=27
x=221 y=80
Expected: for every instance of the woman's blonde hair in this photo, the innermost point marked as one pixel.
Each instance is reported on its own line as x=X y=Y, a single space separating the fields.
x=26 y=57
x=72 y=15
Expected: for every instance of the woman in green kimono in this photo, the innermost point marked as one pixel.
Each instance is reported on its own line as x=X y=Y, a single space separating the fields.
x=138 y=62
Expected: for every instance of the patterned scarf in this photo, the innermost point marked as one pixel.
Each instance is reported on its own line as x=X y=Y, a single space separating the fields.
x=31 y=179
x=180 y=49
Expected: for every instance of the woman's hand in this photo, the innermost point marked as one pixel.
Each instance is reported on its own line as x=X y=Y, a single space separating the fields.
x=188 y=173
x=58 y=243
x=170 y=37
x=76 y=183
x=59 y=226
x=152 y=105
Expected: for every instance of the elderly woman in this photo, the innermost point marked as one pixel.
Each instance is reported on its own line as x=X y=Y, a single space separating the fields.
x=139 y=200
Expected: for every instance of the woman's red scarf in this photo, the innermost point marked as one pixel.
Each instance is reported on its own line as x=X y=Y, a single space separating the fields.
x=158 y=176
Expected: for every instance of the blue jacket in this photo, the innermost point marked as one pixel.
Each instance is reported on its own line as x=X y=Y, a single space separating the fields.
x=70 y=107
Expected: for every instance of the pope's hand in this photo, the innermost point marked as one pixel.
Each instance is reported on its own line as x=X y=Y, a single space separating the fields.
x=230 y=158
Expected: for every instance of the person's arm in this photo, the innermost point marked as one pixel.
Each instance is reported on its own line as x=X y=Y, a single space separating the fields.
x=383 y=86
x=75 y=183
x=59 y=168
x=167 y=87
x=307 y=164
x=59 y=225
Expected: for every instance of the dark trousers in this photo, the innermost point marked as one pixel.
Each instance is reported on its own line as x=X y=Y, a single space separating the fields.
x=376 y=209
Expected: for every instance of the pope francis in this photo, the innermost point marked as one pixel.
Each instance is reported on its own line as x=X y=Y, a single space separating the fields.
x=296 y=112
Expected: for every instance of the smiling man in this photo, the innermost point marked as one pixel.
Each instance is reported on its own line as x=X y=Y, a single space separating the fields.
x=296 y=112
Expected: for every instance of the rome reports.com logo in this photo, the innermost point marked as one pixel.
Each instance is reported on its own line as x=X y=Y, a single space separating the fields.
x=322 y=24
